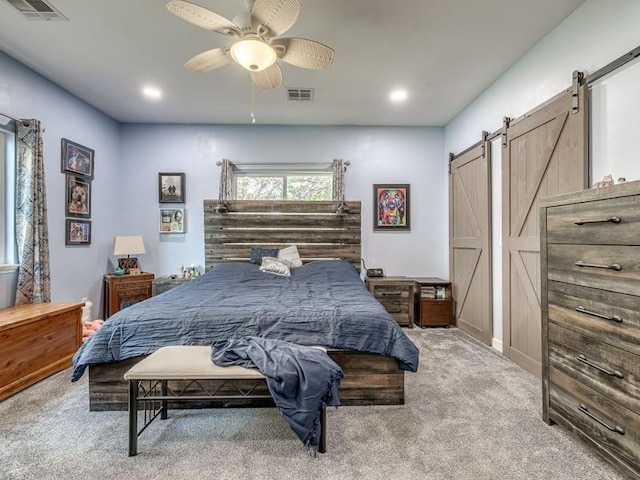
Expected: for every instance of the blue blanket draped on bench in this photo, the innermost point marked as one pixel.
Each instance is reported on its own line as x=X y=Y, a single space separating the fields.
x=300 y=379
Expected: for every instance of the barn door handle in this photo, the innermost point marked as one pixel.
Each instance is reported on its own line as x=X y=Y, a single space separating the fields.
x=613 y=266
x=614 y=373
x=611 y=318
x=617 y=429
x=600 y=220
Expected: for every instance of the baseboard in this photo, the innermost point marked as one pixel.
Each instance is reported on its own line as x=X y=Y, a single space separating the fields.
x=497 y=344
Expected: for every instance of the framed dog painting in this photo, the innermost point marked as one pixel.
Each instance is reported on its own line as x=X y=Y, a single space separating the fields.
x=77 y=159
x=391 y=207
x=78 y=197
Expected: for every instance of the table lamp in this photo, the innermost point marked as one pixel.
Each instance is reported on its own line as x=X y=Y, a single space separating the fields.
x=128 y=246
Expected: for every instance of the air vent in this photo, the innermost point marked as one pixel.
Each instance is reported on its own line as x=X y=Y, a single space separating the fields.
x=300 y=94
x=37 y=10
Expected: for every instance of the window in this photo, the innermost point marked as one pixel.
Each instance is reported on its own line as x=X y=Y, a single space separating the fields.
x=7 y=175
x=274 y=184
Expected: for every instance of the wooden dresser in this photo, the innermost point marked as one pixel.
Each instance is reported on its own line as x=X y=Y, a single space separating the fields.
x=36 y=340
x=590 y=272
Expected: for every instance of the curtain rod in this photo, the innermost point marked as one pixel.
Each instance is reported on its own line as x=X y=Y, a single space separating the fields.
x=12 y=117
x=283 y=164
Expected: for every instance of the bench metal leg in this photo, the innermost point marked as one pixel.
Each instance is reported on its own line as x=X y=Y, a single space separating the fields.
x=133 y=418
x=163 y=390
x=322 y=448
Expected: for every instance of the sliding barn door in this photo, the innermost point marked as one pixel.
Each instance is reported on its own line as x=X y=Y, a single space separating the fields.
x=543 y=154
x=470 y=241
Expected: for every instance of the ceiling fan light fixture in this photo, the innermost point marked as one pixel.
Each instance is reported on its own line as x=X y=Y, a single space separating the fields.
x=254 y=55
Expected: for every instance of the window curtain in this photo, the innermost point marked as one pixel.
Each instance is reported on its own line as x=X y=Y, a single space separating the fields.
x=339 y=168
x=226 y=180
x=32 y=234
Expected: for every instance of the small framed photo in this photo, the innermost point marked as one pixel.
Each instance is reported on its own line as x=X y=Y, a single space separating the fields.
x=391 y=207
x=171 y=187
x=78 y=197
x=172 y=220
x=78 y=232
x=77 y=159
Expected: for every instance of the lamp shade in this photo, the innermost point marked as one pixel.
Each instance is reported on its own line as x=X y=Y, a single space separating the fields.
x=128 y=246
x=254 y=55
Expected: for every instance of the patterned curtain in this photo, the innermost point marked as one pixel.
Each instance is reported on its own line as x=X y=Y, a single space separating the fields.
x=339 y=169
x=32 y=234
x=226 y=180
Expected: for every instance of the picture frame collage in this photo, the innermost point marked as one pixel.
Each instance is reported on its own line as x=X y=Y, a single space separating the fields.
x=77 y=163
x=171 y=189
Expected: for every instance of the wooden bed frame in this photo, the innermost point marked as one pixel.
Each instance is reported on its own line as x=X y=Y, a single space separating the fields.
x=319 y=233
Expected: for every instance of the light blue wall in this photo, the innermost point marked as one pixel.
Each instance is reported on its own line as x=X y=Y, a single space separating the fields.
x=75 y=272
x=129 y=157
x=595 y=34
x=411 y=155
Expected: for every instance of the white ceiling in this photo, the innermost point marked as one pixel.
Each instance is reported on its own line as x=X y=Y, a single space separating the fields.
x=444 y=52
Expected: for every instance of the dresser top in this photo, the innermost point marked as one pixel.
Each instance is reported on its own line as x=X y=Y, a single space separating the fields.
x=625 y=189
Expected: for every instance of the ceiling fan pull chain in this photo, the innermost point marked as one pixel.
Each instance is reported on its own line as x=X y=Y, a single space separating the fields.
x=253 y=102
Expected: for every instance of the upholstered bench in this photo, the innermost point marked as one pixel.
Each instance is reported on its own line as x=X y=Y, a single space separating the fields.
x=148 y=385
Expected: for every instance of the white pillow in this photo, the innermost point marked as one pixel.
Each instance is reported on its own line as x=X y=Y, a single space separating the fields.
x=290 y=256
x=275 y=266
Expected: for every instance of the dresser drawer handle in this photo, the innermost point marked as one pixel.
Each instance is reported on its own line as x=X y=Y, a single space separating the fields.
x=615 y=373
x=390 y=294
x=617 y=429
x=600 y=220
x=611 y=318
x=614 y=266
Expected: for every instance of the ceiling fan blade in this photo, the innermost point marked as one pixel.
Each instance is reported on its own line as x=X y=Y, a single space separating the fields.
x=277 y=15
x=305 y=53
x=200 y=16
x=209 y=60
x=268 y=78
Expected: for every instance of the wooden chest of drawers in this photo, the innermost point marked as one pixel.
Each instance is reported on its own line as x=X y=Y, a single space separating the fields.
x=397 y=296
x=590 y=253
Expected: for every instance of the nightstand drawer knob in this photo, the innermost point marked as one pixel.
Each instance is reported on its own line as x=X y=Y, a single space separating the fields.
x=612 y=373
x=610 y=318
x=617 y=429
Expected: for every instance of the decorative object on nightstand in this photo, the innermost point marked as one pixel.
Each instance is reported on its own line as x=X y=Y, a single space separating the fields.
x=128 y=246
x=164 y=284
x=120 y=291
x=434 y=304
x=396 y=294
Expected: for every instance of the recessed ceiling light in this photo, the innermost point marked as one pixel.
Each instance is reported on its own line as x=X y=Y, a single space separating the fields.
x=399 y=95
x=152 y=93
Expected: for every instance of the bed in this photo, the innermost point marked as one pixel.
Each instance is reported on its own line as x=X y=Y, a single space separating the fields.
x=323 y=302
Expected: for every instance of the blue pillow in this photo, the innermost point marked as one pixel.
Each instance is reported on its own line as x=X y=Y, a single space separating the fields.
x=258 y=252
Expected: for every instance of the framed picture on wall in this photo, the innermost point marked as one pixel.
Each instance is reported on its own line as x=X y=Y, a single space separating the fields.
x=171 y=187
x=78 y=232
x=78 y=203
x=172 y=220
x=77 y=159
x=391 y=205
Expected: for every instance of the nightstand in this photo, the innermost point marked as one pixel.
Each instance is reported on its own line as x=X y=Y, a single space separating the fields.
x=435 y=305
x=163 y=284
x=120 y=291
x=396 y=294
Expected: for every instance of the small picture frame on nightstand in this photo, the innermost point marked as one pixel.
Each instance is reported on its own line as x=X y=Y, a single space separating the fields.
x=134 y=271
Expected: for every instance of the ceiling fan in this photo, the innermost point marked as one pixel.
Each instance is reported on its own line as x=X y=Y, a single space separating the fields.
x=257 y=45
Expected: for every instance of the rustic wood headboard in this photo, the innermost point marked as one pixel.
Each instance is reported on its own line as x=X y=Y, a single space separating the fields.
x=313 y=226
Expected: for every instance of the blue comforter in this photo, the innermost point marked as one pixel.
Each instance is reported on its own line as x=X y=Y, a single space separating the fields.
x=322 y=303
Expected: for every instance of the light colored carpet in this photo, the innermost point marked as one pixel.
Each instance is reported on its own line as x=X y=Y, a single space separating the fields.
x=469 y=414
